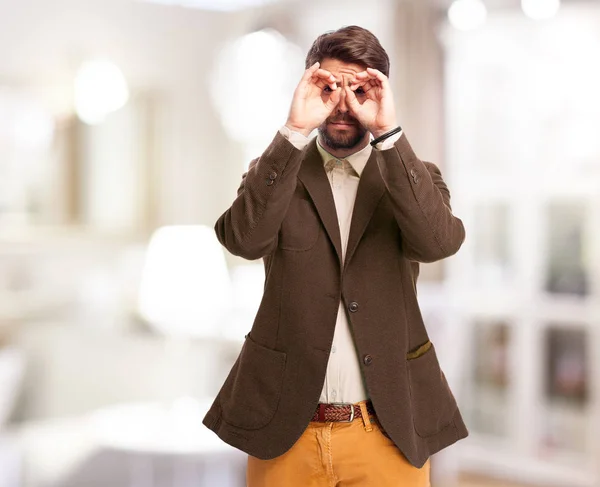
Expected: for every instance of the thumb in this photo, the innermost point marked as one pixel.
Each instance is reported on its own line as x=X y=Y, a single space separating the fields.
x=351 y=100
x=334 y=99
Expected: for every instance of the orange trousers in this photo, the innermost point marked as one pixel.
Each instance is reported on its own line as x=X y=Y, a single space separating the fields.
x=337 y=454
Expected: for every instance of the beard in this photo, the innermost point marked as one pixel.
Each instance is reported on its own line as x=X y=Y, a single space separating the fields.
x=342 y=139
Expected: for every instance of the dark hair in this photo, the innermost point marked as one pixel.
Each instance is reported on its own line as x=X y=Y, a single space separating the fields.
x=351 y=44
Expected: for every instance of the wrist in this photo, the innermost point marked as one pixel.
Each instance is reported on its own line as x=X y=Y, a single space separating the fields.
x=302 y=130
x=390 y=135
x=383 y=130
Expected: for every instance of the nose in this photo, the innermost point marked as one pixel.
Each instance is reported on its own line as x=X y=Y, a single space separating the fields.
x=342 y=105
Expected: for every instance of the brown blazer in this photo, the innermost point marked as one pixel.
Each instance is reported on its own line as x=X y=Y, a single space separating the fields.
x=285 y=214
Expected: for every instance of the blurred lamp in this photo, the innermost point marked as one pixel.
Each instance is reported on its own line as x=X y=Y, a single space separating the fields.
x=540 y=9
x=100 y=88
x=248 y=283
x=467 y=14
x=185 y=287
x=239 y=78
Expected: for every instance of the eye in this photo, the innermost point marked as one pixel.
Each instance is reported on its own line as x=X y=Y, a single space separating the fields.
x=360 y=91
x=327 y=89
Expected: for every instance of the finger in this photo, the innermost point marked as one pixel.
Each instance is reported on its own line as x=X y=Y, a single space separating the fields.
x=321 y=84
x=308 y=74
x=361 y=78
x=372 y=84
x=322 y=74
x=363 y=75
x=377 y=73
x=365 y=85
x=370 y=79
x=382 y=78
x=371 y=73
x=355 y=83
x=334 y=99
x=351 y=100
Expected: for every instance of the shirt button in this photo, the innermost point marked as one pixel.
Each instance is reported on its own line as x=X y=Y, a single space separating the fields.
x=334 y=393
x=333 y=349
x=353 y=307
x=270 y=182
x=273 y=175
x=367 y=359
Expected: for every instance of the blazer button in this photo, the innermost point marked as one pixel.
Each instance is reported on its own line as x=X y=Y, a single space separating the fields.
x=414 y=175
x=367 y=359
x=273 y=175
x=270 y=182
x=353 y=307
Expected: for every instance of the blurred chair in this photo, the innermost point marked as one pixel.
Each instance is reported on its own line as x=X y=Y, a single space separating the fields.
x=164 y=446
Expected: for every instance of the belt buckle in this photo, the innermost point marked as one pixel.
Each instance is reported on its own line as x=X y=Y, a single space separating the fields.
x=351 y=410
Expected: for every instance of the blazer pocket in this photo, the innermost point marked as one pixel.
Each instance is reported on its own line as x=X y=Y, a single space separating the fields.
x=419 y=351
x=300 y=227
x=432 y=402
x=252 y=391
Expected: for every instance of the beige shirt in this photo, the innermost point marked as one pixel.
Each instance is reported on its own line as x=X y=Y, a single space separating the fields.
x=344 y=381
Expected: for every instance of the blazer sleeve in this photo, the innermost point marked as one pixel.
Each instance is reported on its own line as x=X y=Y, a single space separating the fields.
x=421 y=204
x=250 y=226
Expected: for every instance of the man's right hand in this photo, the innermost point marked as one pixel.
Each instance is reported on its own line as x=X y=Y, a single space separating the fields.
x=314 y=99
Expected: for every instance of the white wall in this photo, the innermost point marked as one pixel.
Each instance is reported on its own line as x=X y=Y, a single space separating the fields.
x=163 y=51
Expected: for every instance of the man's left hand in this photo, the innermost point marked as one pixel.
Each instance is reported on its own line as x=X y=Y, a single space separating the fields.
x=374 y=106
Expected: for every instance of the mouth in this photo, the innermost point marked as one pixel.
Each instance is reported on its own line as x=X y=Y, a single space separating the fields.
x=342 y=125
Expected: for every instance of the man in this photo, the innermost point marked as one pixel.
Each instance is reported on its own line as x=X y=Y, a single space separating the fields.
x=337 y=383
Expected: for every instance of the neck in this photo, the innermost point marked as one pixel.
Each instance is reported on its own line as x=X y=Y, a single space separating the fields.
x=342 y=153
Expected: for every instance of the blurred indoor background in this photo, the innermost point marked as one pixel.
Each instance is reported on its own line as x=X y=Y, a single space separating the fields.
x=125 y=127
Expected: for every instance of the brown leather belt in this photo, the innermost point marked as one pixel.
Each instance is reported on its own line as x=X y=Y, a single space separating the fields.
x=340 y=411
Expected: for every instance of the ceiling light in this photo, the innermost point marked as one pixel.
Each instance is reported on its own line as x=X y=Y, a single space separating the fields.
x=467 y=14
x=540 y=9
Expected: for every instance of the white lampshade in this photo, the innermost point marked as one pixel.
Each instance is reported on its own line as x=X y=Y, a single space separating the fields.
x=248 y=282
x=185 y=288
x=100 y=89
x=236 y=81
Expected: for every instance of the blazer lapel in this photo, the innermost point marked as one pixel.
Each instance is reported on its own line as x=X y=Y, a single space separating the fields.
x=313 y=176
x=370 y=190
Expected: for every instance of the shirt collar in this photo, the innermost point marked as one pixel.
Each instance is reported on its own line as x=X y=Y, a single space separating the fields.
x=358 y=160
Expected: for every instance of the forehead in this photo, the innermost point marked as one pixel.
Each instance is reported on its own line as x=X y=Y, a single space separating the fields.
x=339 y=68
